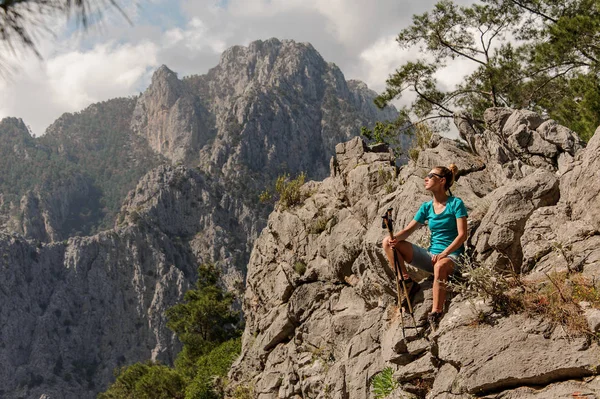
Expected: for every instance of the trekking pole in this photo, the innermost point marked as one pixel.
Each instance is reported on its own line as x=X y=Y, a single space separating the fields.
x=388 y=223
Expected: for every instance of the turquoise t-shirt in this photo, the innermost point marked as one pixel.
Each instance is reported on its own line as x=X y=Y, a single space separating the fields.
x=443 y=226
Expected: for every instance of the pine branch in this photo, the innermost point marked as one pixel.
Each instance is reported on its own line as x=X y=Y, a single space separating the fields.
x=533 y=11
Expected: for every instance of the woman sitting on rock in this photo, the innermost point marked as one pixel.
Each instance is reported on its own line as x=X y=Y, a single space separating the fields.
x=447 y=219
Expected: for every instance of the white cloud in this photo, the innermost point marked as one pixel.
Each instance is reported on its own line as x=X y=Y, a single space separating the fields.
x=79 y=78
x=116 y=59
x=380 y=60
x=194 y=37
x=71 y=81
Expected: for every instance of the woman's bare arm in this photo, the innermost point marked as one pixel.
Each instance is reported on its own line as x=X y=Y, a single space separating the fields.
x=407 y=231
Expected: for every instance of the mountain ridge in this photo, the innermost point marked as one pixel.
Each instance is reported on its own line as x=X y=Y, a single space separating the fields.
x=178 y=186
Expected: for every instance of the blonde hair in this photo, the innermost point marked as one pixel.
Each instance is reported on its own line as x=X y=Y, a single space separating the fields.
x=449 y=173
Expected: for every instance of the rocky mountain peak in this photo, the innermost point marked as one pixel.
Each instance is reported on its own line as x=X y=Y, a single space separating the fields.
x=285 y=64
x=16 y=144
x=162 y=72
x=272 y=107
x=165 y=87
x=14 y=128
x=170 y=117
x=268 y=50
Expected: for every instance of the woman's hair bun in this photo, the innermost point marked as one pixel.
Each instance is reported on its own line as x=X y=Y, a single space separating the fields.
x=449 y=173
x=453 y=168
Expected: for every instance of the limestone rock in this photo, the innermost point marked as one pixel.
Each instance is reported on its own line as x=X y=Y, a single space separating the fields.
x=518 y=216
x=171 y=118
x=593 y=318
x=99 y=303
x=560 y=136
x=348 y=337
x=191 y=209
x=423 y=367
x=553 y=240
x=567 y=236
x=589 y=388
x=444 y=382
x=505 y=356
x=497 y=239
x=47 y=212
x=579 y=186
x=519 y=118
x=311 y=108
x=400 y=393
x=517 y=142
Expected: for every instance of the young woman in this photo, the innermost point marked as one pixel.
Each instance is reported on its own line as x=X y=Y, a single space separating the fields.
x=447 y=219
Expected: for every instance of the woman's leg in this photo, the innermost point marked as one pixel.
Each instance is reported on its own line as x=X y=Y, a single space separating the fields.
x=442 y=269
x=404 y=252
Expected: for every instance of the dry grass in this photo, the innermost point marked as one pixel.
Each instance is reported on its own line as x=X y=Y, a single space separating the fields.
x=422 y=133
x=422 y=386
x=319 y=225
x=556 y=297
x=244 y=391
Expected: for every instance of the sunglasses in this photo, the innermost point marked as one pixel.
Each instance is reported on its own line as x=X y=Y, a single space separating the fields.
x=430 y=175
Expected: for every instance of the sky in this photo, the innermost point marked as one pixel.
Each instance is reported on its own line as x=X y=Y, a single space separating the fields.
x=115 y=57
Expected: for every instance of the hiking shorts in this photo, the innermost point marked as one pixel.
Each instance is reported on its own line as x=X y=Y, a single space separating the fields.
x=422 y=260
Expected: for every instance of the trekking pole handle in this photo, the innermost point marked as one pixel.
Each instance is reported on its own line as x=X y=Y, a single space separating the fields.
x=388 y=222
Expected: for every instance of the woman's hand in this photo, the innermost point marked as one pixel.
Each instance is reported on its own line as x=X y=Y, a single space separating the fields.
x=392 y=242
x=437 y=257
x=403 y=235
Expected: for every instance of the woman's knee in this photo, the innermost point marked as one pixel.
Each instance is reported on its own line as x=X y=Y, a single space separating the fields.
x=443 y=268
x=386 y=242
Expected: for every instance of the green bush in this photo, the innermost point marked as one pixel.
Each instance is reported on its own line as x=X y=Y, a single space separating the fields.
x=146 y=381
x=243 y=392
x=209 y=330
x=206 y=316
x=290 y=191
x=413 y=154
x=319 y=225
x=384 y=383
x=211 y=370
x=265 y=196
x=300 y=268
x=389 y=187
x=385 y=132
x=486 y=283
x=422 y=134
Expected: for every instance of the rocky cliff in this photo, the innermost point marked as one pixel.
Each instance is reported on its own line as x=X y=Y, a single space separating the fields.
x=175 y=175
x=319 y=302
x=270 y=108
x=71 y=181
x=74 y=311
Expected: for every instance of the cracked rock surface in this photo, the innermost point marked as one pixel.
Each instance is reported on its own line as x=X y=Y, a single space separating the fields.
x=326 y=330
